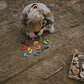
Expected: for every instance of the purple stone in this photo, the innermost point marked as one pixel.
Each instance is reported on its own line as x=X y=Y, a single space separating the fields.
x=23 y=42
x=33 y=38
x=36 y=36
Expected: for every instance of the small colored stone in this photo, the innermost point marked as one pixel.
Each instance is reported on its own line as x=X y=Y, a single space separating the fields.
x=40 y=37
x=36 y=54
x=29 y=44
x=28 y=49
x=33 y=39
x=23 y=42
x=24 y=47
x=45 y=42
x=42 y=49
x=24 y=54
x=26 y=44
x=35 y=42
x=36 y=36
x=46 y=47
x=40 y=40
x=30 y=41
x=38 y=47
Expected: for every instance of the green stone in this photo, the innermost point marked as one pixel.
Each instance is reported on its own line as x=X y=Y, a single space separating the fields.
x=46 y=47
x=47 y=40
x=42 y=49
x=37 y=34
x=40 y=37
x=40 y=40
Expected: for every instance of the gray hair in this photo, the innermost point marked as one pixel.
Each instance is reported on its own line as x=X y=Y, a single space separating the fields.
x=35 y=16
x=35 y=20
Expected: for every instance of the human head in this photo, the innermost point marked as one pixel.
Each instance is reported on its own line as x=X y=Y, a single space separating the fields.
x=35 y=19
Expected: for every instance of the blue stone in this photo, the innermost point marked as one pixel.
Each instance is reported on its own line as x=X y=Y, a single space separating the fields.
x=26 y=56
x=33 y=38
x=38 y=52
x=23 y=42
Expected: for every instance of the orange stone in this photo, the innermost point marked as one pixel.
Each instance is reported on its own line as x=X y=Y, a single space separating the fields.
x=35 y=42
x=38 y=47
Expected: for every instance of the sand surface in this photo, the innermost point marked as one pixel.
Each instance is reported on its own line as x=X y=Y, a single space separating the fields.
x=69 y=35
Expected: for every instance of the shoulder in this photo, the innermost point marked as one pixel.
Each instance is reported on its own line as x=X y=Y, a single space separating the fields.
x=43 y=7
x=27 y=8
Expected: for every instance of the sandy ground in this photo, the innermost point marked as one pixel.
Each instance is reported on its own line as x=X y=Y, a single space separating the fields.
x=69 y=35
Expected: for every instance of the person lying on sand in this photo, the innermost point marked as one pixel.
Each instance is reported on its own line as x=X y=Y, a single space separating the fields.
x=36 y=18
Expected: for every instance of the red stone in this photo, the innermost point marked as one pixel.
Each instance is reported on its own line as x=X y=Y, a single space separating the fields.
x=29 y=44
x=26 y=44
x=22 y=49
x=30 y=41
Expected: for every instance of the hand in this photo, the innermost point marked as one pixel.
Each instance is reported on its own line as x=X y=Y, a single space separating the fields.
x=41 y=31
x=31 y=34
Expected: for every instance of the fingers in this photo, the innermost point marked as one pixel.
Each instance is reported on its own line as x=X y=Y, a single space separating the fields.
x=41 y=32
x=32 y=35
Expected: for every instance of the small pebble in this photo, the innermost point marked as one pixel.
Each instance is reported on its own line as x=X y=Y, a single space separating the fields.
x=30 y=41
x=38 y=52
x=33 y=39
x=28 y=49
x=29 y=44
x=35 y=42
x=36 y=36
x=40 y=40
x=40 y=37
x=38 y=47
x=24 y=47
x=23 y=42
x=27 y=56
x=26 y=44
x=45 y=42
x=42 y=49
x=24 y=54
x=46 y=47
